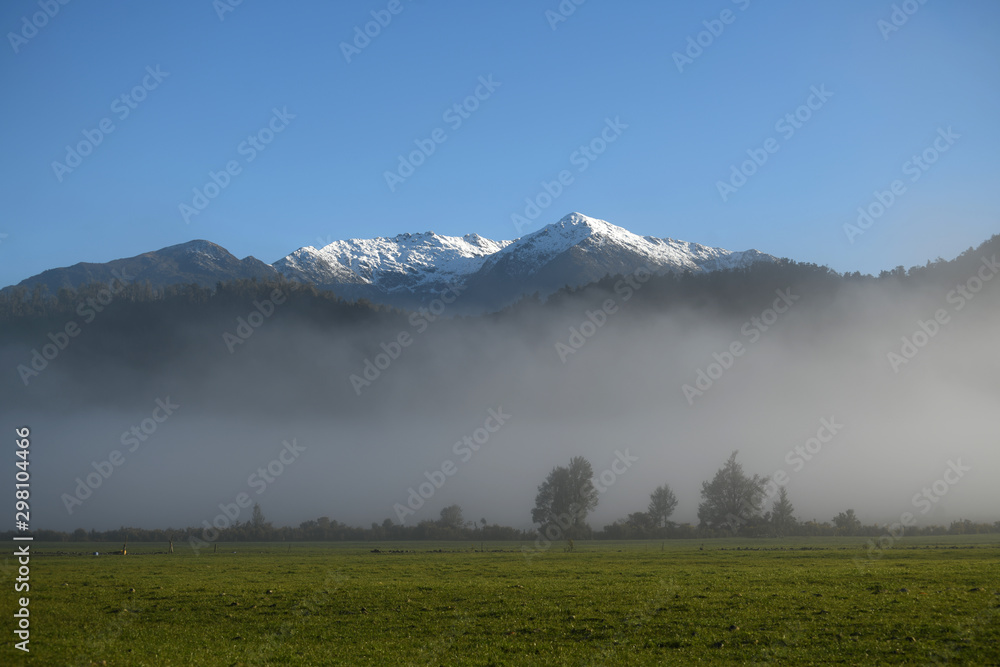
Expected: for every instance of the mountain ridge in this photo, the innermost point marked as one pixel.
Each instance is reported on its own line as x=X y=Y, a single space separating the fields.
x=410 y=269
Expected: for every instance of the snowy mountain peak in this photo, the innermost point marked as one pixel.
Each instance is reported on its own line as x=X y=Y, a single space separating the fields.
x=573 y=251
x=576 y=230
x=582 y=225
x=577 y=226
x=405 y=262
x=577 y=218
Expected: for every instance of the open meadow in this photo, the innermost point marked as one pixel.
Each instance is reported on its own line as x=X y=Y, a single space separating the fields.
x=792 y=601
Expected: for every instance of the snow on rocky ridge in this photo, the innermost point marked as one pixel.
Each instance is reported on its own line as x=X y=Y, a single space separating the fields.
x=415 y=259
x=410 y=262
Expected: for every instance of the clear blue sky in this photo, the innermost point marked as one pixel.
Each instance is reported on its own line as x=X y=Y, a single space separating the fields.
x=322 y=177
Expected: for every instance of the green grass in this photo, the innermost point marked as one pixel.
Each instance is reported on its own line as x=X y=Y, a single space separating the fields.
x=796 y=601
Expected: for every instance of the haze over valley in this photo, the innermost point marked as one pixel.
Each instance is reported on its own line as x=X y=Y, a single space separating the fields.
x=671 y=370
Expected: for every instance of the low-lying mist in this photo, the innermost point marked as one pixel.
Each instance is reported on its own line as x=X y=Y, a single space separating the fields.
x=800 y=377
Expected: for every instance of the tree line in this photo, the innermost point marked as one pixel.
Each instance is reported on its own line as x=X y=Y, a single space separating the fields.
x=733 y=503
x=18 y=304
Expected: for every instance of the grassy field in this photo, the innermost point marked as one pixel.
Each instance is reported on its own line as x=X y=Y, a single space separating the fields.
x=795 y=601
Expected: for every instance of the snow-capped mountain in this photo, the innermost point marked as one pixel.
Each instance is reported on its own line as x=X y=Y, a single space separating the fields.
x=579 y=250
x=412 y=269
x=405 y=265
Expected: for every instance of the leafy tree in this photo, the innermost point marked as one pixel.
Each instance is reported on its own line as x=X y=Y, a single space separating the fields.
x=565 y=498
x=782 y=517
x=451 y=517
x=732 y=498
x=847 y=523
x=661 y=505
x=260 y=526
x=257 y=519
x=640 y=521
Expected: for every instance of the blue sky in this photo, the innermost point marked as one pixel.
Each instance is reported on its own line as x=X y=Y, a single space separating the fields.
x=322 y=176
